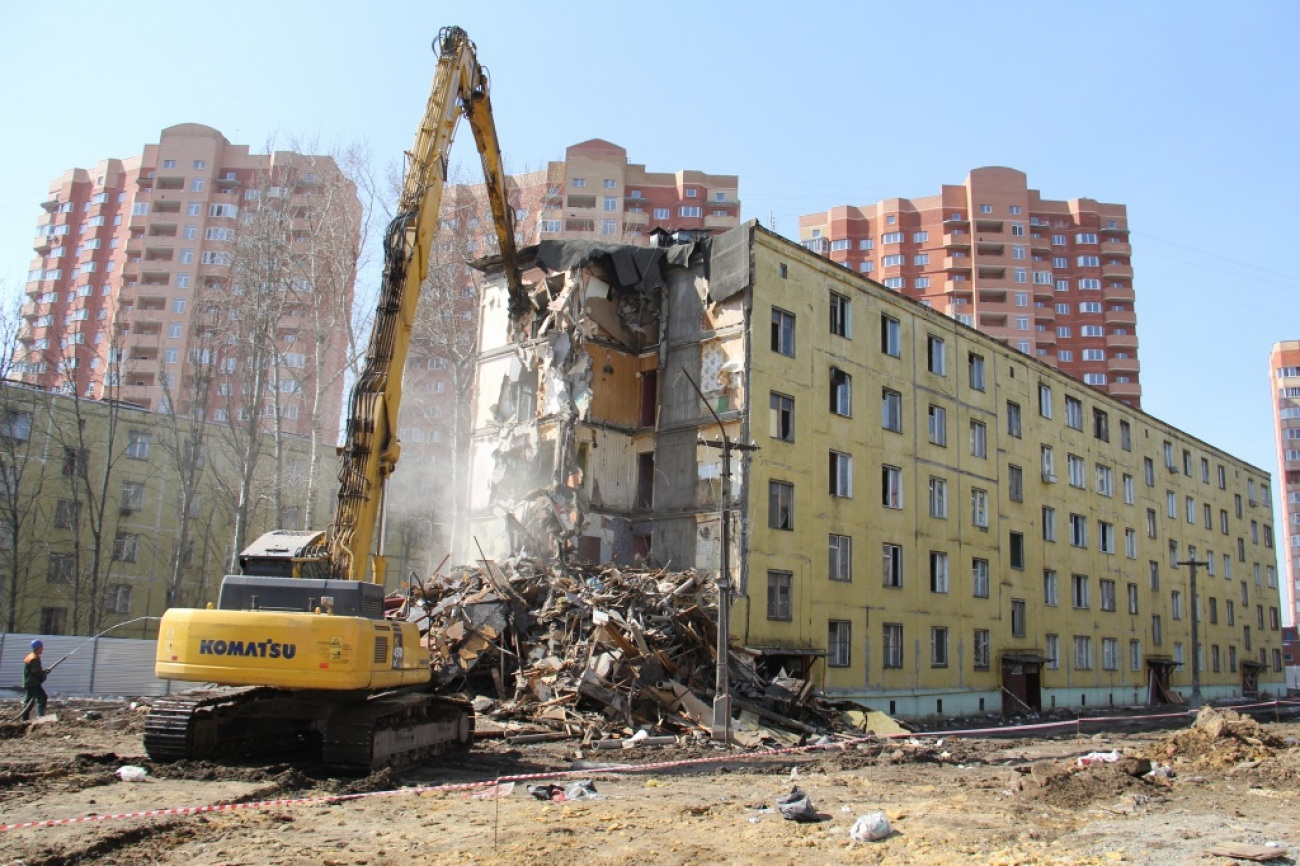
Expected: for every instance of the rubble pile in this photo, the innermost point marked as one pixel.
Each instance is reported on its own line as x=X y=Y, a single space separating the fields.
x=597 y=651
x=1221 y=738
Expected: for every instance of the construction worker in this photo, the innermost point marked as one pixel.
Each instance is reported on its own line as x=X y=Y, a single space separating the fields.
x=33 y=677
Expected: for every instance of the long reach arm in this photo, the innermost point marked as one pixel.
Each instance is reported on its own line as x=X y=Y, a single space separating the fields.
x=371 y=450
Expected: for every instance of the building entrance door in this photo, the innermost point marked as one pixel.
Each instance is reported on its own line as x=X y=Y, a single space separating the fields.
x=1250 y=678
x=1021 y=685
x=1158 y=688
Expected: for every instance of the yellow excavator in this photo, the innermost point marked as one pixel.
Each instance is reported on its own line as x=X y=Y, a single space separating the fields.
x=298 y=647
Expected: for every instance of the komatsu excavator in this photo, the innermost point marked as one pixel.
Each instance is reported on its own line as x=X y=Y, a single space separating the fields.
x=298 y=646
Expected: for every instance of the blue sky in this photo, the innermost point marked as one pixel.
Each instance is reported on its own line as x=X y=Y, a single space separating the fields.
x=1186 y=112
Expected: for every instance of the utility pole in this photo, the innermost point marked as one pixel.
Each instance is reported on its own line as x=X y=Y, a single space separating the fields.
x=722 y=684
x=1195 y=700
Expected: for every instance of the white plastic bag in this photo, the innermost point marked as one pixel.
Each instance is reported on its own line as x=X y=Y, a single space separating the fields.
x=870 y=828
x=132 y=774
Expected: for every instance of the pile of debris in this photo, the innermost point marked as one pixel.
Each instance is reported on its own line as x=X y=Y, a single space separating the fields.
x=600 y=651
x=1221 y=738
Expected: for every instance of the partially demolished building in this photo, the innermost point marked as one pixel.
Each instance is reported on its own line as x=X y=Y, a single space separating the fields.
x=901 y=535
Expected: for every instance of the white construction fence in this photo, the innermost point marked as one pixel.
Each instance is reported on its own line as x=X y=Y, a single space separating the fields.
x=112 y=667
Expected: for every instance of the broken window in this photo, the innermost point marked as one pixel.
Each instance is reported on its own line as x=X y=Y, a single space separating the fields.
x=782 y=332
x=645 y=479
x=841 y=392
x=782 y=417
x=840 y=321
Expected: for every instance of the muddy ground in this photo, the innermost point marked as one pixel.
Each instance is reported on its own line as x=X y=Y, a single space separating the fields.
x=967 y=800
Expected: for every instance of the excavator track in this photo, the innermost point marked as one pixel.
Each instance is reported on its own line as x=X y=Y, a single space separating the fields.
x=201 y=724
x=396 y=730
x=354 y=737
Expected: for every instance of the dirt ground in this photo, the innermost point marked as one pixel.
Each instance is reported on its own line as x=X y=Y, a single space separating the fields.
x=965 y=800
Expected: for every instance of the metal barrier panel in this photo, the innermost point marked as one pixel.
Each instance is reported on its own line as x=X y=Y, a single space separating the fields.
x=111 y=667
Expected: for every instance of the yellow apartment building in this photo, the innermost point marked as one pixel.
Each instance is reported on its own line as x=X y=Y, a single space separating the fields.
x=92 y=498
x=932 y=523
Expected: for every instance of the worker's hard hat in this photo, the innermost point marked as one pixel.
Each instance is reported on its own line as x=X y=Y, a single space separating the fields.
x=36 y=644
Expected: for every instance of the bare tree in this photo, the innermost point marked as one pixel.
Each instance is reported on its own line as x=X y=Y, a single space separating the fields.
x=22 y=476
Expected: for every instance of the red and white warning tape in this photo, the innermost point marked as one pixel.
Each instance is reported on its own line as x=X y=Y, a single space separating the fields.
x=601 y=770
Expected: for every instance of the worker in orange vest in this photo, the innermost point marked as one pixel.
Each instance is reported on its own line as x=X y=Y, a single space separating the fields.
x=33 y=678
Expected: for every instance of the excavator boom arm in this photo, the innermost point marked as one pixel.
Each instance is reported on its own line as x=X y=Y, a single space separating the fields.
x=460 y=86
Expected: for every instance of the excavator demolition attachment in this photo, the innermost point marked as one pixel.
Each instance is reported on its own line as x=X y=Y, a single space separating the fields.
x=298 y=648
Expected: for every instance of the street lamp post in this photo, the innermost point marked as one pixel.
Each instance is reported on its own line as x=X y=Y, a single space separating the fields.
x=722 y=685
x=1195 y=700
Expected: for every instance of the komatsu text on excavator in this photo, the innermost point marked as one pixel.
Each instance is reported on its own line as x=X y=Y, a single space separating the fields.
x=298 y=647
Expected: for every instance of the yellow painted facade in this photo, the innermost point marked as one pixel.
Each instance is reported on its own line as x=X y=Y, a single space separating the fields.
x=1096 y=617
x=932 y=522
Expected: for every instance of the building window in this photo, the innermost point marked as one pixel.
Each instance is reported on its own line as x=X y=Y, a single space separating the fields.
x=935 y=359
x=1133 y=598
x=1077 y=470
x=892 y=555
x=938 y=426
x=893 y=645
x=1013 y=419
x=1131 y=543
x=891 y=337
x=980 y=578
x=839 y=641
x=1074 y=413
x=1045 y=400
x=891 y=487
x=841 y=475
x=1049 y=587
x=1048 y=459
x=1105 y=536
x=779 y=587
x=841 y=558
x=1049 y=523
x=780 y=502
x=1157 y=631
x=1109 y=654
x=979 y=502
x=1129 y=494
x=1078 y=530
x=976 y=368
x=782 y=332
x=138 y=445
x=1079 y=587
x=840 y=316
x=125 y=547
x=1107 y=589
x=1018 y=626
x=67 y=514
x=980 y=646
x=1082 y=653
x=1015 y=483
x=938 y=498
x=938 y=572
x=841 y=392
x=978 y=439
x=938 y=647
x=1017 y=551
x=1125 y=436
x=891 y=410
x=1052 y=649
x=782 y=417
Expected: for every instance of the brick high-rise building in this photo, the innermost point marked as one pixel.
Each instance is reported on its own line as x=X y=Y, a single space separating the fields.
x=146 y=270
x=1284 y=369
x=1050 y=278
